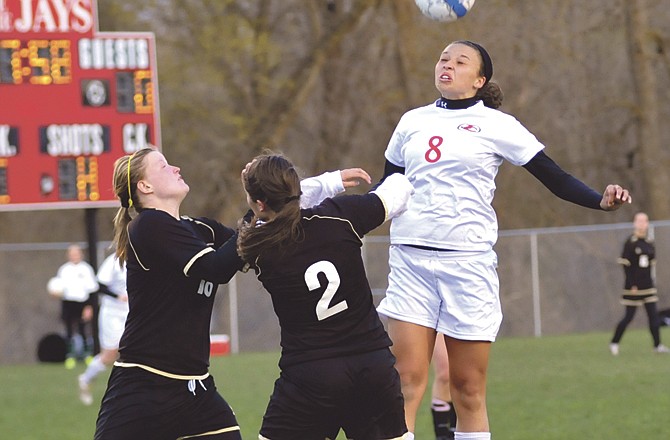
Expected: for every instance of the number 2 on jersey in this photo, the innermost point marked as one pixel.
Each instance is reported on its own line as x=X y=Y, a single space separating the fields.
x=327 y=268
x=433 y=153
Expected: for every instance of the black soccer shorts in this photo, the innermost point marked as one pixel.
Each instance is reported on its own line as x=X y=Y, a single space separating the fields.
x=143 y=405
x=359 y=393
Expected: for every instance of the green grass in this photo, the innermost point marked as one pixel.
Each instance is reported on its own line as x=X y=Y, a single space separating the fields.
x=565 y=387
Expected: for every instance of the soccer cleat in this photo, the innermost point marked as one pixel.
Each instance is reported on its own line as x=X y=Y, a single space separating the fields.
x=614 y=349
x=85 y=392
x=70 y=363
x=661 y=349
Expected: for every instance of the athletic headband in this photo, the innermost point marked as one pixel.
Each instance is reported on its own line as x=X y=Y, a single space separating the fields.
x=486 y=59
x=130 y=194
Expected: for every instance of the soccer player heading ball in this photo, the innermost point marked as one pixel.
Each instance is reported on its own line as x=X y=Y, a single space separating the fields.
x=443 y=268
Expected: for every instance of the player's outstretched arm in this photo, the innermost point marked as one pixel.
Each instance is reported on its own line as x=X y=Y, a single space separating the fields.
x=613 y=197
x=316 y=189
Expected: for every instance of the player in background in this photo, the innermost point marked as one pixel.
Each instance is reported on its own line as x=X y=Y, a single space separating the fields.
x=442 y=263
x=111 y=318
x=160 y=386
x=77 y=281
x=441 y=406
x=337 y=371
x=638 y=259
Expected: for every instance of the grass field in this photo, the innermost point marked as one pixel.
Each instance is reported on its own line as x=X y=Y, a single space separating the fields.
x=553 y=388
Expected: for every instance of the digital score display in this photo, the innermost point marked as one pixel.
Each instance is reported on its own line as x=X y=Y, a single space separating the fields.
x=72 y=101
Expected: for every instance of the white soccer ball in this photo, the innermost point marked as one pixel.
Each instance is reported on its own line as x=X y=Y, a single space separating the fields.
x=444 y=10
x=55 y=287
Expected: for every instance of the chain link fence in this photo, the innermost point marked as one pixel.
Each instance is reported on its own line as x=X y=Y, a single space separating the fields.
x=552 y=281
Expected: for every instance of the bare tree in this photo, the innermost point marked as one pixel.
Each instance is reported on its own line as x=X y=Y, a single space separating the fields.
x=653 y=158
x=327 y=80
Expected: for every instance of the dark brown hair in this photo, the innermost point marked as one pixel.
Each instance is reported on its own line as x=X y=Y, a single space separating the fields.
x=491 y=94
x=272 y=179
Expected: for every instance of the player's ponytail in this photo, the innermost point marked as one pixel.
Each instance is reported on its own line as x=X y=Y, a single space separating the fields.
x=491 y=95
x=271 y=178
x=128 y=170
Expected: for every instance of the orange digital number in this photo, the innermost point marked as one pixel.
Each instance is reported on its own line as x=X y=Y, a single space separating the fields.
x=14 y=59
x=87 y=179
x=144 y=92
x=38 y=60
x=61 y=62
x=4 y=193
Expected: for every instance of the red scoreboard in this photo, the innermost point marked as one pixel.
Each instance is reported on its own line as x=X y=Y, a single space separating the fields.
x=72 y=101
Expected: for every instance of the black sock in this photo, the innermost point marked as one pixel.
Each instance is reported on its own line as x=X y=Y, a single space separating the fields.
x=444 y=418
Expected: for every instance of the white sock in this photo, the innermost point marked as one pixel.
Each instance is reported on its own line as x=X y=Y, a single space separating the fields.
x=94 y=368
x=408 y=436
x=472 y=435
x=440 y=405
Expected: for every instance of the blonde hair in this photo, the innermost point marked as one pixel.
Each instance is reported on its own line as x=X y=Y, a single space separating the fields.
x=128 y=170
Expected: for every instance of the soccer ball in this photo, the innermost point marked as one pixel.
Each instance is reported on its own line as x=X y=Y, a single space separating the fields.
x=55 y=287
x=444 y=10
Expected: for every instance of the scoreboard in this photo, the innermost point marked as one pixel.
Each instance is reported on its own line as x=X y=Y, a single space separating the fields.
x=72 y=101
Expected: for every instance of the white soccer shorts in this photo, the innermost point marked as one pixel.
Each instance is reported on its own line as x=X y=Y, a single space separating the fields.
x=111 y=323
x=454 y=292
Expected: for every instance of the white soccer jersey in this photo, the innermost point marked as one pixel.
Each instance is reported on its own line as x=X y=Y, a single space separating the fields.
x=78 y=281
x=452 y=156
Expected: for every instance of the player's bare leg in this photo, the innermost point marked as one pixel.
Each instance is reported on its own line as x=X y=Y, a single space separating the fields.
x=413 y=348
x=468 y=363
x=98 y=365
x=442 y=407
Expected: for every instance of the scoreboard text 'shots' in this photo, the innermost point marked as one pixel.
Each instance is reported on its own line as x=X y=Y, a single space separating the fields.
x=72 y=101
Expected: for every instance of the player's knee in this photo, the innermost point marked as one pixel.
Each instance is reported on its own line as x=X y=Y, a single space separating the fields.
x=442 y=376
x=413 y=384
x=413 y=377
x=471 y=394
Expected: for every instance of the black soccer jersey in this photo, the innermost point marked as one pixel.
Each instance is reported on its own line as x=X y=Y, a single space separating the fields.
x=318 y=285
x=637 y=258
x=174 y=268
